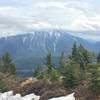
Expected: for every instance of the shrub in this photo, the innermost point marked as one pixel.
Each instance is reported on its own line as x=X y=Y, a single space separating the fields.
x=3 y=87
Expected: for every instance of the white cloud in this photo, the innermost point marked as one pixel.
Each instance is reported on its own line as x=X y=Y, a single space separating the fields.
x=25 y=16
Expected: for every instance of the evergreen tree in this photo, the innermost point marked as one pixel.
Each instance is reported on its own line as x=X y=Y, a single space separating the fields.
x=62 y=63
x=49 y=62
x=98 y=58
x=7 y=65
x=95 y=78
x=52 y=73
x=81 y=56
x=84 y=57
x=72 y=75
x=37 y=71
x=7 y=58
x=74 y=55
x=55 y=75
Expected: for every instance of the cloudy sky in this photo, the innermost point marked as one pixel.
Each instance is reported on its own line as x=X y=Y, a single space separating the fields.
x=20 y=16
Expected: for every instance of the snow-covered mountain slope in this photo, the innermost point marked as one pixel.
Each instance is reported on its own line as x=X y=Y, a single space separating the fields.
x=28 y=49
x=9 y=96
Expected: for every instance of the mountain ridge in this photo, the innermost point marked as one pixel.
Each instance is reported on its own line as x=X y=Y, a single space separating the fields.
x=37 y=44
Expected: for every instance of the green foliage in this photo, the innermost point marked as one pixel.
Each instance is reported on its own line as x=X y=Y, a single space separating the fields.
x=76 y=66
x=98 y=58
x=72 y=75
x=81 y=56
x=6 y=65
x=62 y=63
x=80 y=67
x=37 y=72
x=95 y=78
x=55 y=75
x=49 y=62
x=50 y=72
x=75 y=53
x=7 y=58
x=3 y=87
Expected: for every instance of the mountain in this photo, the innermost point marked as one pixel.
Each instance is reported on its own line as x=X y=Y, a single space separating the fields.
x=30 y=49
x=97 y=46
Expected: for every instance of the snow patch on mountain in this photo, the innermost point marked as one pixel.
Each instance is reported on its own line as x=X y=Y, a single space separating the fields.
x=24 y=39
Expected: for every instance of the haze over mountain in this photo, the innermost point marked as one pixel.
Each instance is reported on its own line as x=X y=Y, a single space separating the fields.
x=17 y=17
x=81 y=19
x=31 y=48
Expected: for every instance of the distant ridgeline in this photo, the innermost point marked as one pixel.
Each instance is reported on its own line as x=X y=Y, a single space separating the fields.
x=29 y=50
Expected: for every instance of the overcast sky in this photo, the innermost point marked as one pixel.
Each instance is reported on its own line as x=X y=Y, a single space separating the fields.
x=20 y=16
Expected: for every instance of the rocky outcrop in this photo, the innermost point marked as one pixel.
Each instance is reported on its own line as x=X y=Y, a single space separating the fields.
x=52 y=93
x=45 y=89
x=84 y=93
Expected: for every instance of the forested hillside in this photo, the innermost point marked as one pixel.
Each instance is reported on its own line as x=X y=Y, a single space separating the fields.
x=79 y=73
